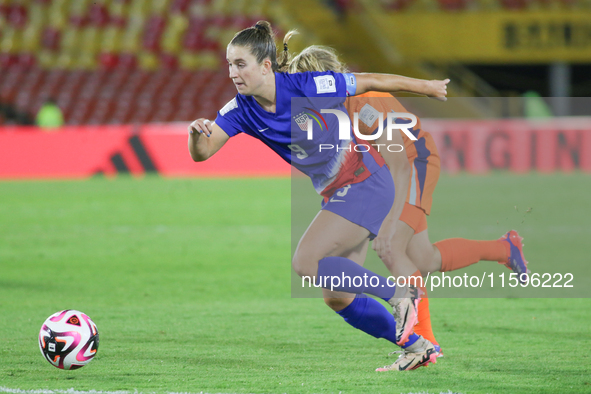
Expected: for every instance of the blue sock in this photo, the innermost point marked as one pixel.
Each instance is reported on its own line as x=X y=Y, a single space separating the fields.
x=343 y=274
x=412 y=338
x=370 y=316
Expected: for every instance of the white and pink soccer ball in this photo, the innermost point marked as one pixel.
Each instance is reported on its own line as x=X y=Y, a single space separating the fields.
x=68 y=339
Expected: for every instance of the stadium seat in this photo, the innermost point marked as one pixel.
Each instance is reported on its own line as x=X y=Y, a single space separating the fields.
x=16 y=15
x=453 y=5
x=153 y=33
x=106 y=59
x=515 y=4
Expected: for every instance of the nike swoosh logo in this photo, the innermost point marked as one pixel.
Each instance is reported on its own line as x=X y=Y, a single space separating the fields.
x=403 y=368
x=264 y=130
x=333 y=200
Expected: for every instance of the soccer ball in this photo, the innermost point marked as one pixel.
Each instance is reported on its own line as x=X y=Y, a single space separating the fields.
x=68 y=339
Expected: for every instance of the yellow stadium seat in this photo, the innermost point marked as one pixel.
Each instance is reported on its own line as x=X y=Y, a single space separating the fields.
x=158 y=7
x=58 y=14
x=47 y=58
x=64 y=60
x=189 y=61
x=86 y=61
x=218 y=7
x=89 y=40
x=173 y=34
x=199 y=9
x=118 y=9
x=32 y=38
x=38 y=14
x=112 y=39
x=140 y=8
x=69 y=41
x=10 y=42
x=79 y=7
x=255 y=8
x=209 y=60
x=131 y=41
x=148 y=61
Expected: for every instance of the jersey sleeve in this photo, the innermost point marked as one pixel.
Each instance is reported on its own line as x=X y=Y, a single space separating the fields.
x=229 y=118
x=323 y=84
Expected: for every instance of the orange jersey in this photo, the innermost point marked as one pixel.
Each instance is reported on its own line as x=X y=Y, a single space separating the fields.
x=422 y=154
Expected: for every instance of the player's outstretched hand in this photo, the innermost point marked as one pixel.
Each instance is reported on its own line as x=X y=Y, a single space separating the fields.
x=201 y=126
x=439 y=89
x=382 y=244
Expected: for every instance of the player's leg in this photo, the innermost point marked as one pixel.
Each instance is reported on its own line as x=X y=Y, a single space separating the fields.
x=325 y=250
x=413 y=220
x=336 y=300
x=370 y=316
x=457 y=253
x=364 y=313
x=318 y=257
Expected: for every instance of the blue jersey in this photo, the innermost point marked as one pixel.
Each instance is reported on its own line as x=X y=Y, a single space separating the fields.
x=329 y=161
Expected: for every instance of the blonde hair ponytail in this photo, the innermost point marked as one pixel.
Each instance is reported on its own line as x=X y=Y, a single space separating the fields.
x=284 y=57
x=317 y=58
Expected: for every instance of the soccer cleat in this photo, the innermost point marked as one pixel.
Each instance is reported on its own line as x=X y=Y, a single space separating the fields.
x=438 y=350
x=405 y=311
x=516 y=261
x=419 y=354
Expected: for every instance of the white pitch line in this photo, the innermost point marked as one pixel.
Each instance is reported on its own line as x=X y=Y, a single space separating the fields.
x=72 y=391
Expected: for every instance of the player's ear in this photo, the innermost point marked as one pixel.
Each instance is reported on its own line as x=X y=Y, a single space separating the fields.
x=267 y=66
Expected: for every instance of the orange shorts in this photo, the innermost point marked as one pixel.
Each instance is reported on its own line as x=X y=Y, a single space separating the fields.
x=425 y=168
x=415 y=217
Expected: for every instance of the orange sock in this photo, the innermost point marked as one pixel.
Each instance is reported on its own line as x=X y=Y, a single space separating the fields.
x=458 y=253
x=423 y=327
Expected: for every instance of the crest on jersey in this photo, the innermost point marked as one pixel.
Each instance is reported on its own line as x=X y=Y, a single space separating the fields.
x=302 y=119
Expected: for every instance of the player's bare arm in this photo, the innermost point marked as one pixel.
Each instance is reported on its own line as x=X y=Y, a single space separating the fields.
x=205 y=139
x=400 y=170
x=396 y=83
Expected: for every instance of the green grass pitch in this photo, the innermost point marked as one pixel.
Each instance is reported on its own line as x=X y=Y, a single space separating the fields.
x=189 y=281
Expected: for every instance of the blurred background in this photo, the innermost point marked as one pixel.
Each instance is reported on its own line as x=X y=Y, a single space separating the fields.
x=121 y=66
x=101 y=89
x=138 y=61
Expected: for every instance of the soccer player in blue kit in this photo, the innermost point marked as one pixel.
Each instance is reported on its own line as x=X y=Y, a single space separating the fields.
x=356 y=184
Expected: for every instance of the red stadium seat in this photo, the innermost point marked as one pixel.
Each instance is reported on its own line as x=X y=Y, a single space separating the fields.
x=169 y=61
x=8 y=60
x=179 y=6
x=17 y=15
x=515 y=4
x=51 y=38
x=453 y=5
x=109 y=61
x=98 y=15
x=128 y=61
x=153 y=33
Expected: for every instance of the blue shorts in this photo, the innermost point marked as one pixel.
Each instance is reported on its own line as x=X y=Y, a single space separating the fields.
x=365 y=203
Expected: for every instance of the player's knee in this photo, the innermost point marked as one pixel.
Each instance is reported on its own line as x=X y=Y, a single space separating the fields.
x=305 y=264
x=337 y=304
x=396 y=256
x=430 y=260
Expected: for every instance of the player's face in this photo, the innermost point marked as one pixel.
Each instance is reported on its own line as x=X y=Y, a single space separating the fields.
x=245 y=71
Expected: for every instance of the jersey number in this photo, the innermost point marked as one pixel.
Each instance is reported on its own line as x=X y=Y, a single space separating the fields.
x=300 y=153
x=343 y=192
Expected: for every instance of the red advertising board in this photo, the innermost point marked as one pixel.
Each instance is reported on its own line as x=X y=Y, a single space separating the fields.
x=560 y=144
x=472 y=146
x=79 y=152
